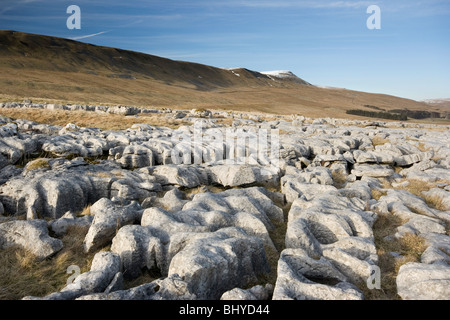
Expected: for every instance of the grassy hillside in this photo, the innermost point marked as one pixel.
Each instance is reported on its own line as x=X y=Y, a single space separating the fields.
x=54 y=69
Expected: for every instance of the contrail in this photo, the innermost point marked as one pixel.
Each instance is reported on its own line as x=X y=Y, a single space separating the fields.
x=89 y=35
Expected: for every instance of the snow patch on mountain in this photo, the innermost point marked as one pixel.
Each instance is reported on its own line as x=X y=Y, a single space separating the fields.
x=279 y=73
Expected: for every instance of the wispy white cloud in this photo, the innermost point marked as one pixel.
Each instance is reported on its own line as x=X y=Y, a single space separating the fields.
x=299 y=4
x=89 y=35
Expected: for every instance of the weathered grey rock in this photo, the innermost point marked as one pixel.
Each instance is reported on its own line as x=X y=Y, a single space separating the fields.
x=420 y=224
x=420 y=166
x=8 y=172
x=221 y=261
x=72 y=186
x=201 y=113
x=108 y=218
x=255 y=293
x=14 y=148
x=179 y=115
x=135 y=156
x=437 y=240
x=409 y=159
x=412 y=202
x=303 y=278
x=435 y=255
x=138 y=249
x=356 y=270
x=299 y=235
x=420 y=281
x=351 y=209
x=358 y=247
x=317 y=175
x=173 y=288
x=104 y=269
x=8 y=129
x=116 y=283
x=429 y=175
x=359 y=189
x=170 y=288
x=320 y=147
x=51 y=194
x=377 y=171
x=255 y=201
x=262 y=199
x=173 y=200
x=293 y=189
x=240 y=175
x=60 y=226
x=80 y=144
x=3 y=161
x=123 y=110
x=181 y=175
x=31 y=235
x=142 y=292
x=165 y=224
x=373 y=157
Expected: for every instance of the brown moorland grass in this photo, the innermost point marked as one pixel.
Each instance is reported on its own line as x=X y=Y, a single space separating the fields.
x=22 y=275
x=410 y=247
x=59 y=69
x=104 y=121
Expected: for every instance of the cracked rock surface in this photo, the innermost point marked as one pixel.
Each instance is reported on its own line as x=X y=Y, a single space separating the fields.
x=300 y=223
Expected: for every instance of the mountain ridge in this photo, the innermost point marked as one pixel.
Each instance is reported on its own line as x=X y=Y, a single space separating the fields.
x=45 y=67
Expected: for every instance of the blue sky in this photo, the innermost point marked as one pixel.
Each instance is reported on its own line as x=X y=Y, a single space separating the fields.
x=325 y=42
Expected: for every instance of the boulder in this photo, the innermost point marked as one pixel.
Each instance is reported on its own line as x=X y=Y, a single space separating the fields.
x=430 y=175
x=356 y=270
x=8 y=172
x=138 y=249
x=173 y=200
x=373 y=157
x=435 y=255
x=420 y=281
x=419 y=225
x=376 y=171
x=359 y=189
x=301 y=277
x=410 y=159
x=219 y=262
x=60 y=226
x=135 y=156
x=31 y=235
x=233 y=175
x=104 y=268
x=109 y=216
x=188 y=176
x=293 y=189
x=80 y=144
x=258 y=292
x=414 y=203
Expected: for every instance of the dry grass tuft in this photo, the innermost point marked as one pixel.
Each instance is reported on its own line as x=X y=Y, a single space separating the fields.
x=435 y=202
x=378 y=141
x=410 y=247
x=86 y=211
x=38 y=164
x=339 y=179
x=23 y=276
x=377 y=193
